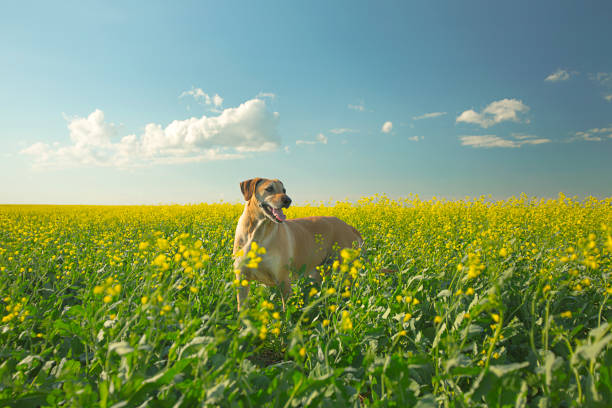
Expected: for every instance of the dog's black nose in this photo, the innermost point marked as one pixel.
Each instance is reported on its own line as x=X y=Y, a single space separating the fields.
x=286 y=201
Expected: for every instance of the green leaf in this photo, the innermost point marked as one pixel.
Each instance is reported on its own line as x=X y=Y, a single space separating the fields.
x=501 y=370
x=120 y=347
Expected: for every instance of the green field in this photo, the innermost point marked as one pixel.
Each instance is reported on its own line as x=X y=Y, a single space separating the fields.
x=448 y=303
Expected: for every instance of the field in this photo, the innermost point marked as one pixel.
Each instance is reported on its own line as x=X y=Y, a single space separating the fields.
x=448 y=303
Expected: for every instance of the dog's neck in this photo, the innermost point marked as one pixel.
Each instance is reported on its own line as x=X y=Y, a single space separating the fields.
x=255 y=223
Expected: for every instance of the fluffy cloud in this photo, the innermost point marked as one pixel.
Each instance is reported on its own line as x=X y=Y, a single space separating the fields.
x=592 y=135
x=603 y=78
x=558 y=75
x=266 y=95
x=429 y=115
x=202 y=97
x=321 y=138
x=359 y=107
x=415 y=138
x=387 y=127
x=488 y=141
x=496 y=112
x=340 y=131
x=608 y=98
x=250 y=127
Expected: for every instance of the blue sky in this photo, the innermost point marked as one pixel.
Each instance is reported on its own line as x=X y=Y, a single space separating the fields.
x=158 y=102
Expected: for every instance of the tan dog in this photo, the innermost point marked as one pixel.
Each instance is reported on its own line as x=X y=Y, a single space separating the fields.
x=290 y=244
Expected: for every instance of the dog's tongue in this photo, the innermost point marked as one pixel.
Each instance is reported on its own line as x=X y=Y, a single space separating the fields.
x=278 y=213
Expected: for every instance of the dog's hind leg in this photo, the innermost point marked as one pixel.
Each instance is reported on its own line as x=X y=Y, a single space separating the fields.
x=285 y=288
x=243 y=294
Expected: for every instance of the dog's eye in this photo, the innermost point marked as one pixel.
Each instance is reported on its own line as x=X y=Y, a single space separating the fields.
x=284 y=191
x=270 y=189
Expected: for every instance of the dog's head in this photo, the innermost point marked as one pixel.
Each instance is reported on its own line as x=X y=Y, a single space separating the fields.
x=267 y=196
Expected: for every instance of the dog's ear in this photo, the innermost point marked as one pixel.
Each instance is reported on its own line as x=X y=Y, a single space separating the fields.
x=248 y=187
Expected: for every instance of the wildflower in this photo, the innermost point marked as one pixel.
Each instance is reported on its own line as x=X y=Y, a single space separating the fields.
x=325 y=322
x=144 y=300
x=567 y=314
x=302 y=352
x=332 y=308
x=415 y=301
x=437 y=319
x=107 y=299
x=330 y=291
x=495 y=317
x=143 y=245
x=407 y=317
x=402 y=333
x=193 y=289
x=399 y=298
x=469 y=291
x=546 y=288
x=503 y=252
x=346 y=324
x=98 y=290
x=313 y=291
x=244 y=283
x=275 y=331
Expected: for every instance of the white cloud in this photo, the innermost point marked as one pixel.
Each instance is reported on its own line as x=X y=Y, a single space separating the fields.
x=495 y=112
x=489 y=141
x=415 y=138
x=387 y=127
x=592 y=135
x=558 y=75
x=603 y=78
x=250 y=127
x=202 y=97
x=359 y=107
x=320 y=138
x=266 y=95
x=429 y=115
x=340 y=131
x=608 y=98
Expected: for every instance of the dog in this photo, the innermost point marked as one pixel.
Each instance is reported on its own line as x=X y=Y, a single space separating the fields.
x=290 y=244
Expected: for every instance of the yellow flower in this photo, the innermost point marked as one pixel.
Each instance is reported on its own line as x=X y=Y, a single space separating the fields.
x=144 y=300
x=495 y=317
x=275 y=331
x=402 y=333
x=193 y=289
x=245 y=283
x=143 y=246
x=331 y=291
x=567 y=314
x=469 y=291
x=302 y=352
x=113 y=316
x=399 y=298
x=98 y=290
x=546 y=288
x=313 y=291
x=332 y=308
x=415 y=301
x=107 y=299
x=503 y=252
x=166 y=308
x=437 y=319
x=325 y=322
x=407 y=317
